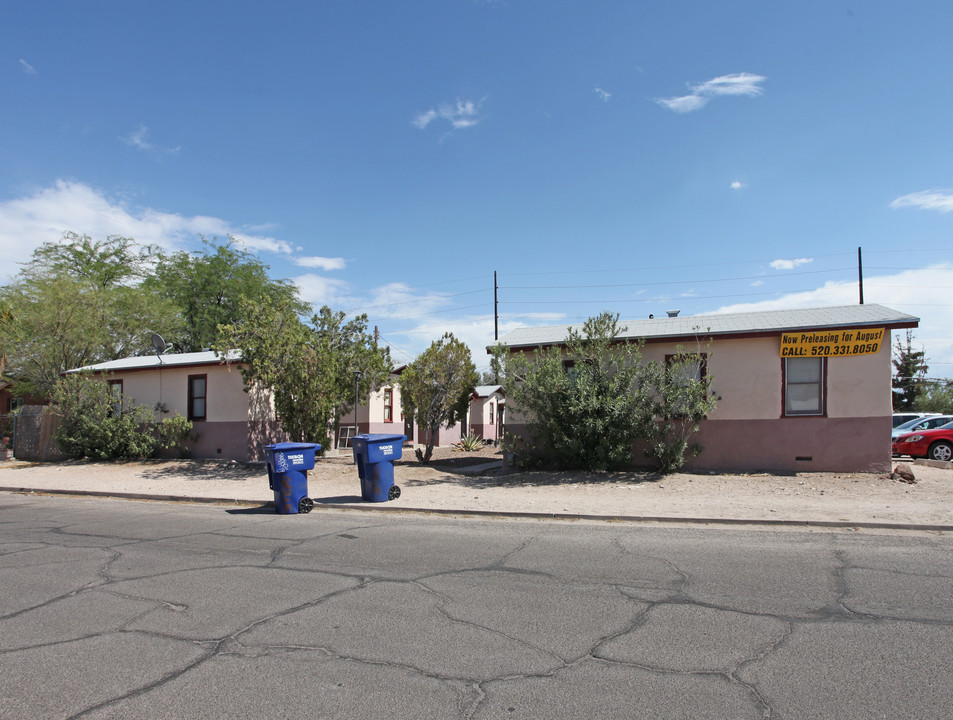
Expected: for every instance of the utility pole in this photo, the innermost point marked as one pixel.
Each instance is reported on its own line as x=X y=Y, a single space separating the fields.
x=860 y=275
x=496 y=310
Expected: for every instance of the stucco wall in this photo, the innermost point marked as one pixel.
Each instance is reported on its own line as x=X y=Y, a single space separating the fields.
x=226 y=400
x=748 y=430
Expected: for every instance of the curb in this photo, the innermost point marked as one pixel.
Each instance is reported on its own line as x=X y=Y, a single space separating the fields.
x=379 y=507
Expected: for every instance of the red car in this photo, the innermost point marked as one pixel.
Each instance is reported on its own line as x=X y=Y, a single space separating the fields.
x=936 y=444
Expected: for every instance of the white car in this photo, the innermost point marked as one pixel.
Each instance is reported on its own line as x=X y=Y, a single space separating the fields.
x=901 y=417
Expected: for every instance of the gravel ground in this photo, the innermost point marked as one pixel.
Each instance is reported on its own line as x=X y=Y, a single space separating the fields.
x=449 y=483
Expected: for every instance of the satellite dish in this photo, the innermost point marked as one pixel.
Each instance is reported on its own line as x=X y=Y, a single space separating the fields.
x=158 y=343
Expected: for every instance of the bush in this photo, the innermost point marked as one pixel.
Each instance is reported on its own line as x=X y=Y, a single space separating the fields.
x=590 y=403
x=174 y=432
x=94 y=426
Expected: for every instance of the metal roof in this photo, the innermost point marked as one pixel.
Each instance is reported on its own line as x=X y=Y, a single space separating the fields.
x=767 y=321
x=486 y=390
x=144 y=362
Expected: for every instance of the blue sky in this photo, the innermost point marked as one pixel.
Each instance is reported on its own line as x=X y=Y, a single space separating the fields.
x=389 y=157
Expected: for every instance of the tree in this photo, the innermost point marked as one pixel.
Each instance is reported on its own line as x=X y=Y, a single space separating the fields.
x=910 y=370
x=435 y=388
x=308 y=368
x=77 y=303
x=937 y=397
x=585 y=409
x=588 y=404
x=105 y=263
x=208 y=286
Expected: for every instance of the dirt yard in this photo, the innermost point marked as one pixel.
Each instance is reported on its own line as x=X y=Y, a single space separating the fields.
x=446 y=484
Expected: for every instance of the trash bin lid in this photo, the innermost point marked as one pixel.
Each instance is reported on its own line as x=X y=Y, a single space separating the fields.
x=381 y=437
x=285 y=446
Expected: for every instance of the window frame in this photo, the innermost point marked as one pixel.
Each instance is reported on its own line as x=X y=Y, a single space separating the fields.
x=821 y=385
x=192 y=397
x=388 y=405
x=117 y=397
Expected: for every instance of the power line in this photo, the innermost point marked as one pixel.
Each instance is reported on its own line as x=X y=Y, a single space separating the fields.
x=669 y=282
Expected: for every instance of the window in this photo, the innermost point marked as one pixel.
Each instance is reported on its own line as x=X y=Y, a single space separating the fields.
x=804 y=386
x=491 y=412
x=688 y=369
x=198 y=387
x=686 y=373
x=388 y=405
x=115 y=391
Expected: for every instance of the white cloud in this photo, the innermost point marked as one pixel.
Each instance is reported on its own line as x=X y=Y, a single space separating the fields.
x=736 y=84
x=26 y=67
x=684 y=104
x=921 y=293
x=745 y=84
x=603 y=95
x=137 y=139
x=323 y=263
x=319 y=290
x=462 y=114
x=397 y=300
x=738 y=185
x=790 y=264
x=940 y=200
x=43 y=216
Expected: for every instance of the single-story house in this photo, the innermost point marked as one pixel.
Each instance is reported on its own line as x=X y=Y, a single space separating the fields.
x=486 y=412
x=379 y=413
x=799 y=390
x=382 y=412
x=207 y=389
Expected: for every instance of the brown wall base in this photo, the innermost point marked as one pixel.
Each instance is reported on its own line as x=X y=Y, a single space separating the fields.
x=243 y=441
x=786 y=445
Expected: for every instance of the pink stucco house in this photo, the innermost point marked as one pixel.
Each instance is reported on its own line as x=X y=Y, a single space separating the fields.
x=382 y=413
x=800 y=390
x=487 y=404
x=208 y=390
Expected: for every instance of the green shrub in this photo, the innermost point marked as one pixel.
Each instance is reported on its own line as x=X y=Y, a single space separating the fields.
x=94 y=426
x=589 y=402
x=174 y=433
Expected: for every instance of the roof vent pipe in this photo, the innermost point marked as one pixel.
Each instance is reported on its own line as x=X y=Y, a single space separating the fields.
x=673 y=313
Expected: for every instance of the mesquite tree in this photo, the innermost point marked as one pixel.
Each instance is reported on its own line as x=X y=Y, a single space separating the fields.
x=435 y=388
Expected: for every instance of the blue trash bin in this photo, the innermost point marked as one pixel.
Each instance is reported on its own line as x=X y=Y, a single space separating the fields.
x=288 y=465
x=374 y=455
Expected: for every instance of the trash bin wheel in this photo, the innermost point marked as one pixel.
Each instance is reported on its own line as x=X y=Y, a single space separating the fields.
x=305 y=505
x=393 y=493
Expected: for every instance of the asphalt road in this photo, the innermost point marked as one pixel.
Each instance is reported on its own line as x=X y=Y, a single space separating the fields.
x=119 y=609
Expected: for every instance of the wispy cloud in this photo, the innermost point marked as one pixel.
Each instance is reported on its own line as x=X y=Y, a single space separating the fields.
x=462 y=114
x=744 y=84
x=603 y=95
x=939 y=200
x=738 y=185
x=790 y=264
x=43 y=216
x=27 y=68
x=323 y=263
x=138 y=139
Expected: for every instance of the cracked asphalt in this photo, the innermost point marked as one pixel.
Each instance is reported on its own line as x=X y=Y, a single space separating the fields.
x=131 y=609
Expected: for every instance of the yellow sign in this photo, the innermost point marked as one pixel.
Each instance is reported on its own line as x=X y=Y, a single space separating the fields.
x=831 y=343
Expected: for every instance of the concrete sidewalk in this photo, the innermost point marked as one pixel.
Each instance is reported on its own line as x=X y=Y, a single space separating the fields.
x=821 y=500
